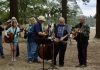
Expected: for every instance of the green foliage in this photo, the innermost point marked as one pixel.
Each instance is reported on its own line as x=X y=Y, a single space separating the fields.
x=91 y=21
x=29 y=8
x=85 y=0
x=4 y=10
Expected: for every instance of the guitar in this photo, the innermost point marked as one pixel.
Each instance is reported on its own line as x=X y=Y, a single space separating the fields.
x=10 y=38
x=76 y=32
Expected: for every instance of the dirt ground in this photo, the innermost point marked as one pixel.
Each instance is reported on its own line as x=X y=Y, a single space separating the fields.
x=70 y=57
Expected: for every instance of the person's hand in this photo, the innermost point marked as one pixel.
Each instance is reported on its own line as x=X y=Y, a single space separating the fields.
x=56 y=40
x=80 y=31
x=7 y=36
x=1 y=26
x=62 y=38
x=44 y=33
x=24 y=29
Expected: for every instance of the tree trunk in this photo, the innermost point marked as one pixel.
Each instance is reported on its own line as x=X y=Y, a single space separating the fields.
x=64 y=9
x=14 y=8
x=98 y=20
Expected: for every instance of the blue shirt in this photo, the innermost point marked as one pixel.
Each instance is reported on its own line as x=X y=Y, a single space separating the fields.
x=37 y=28
x=30 y=37
x=61 y=30
x=12 y=30
x=33 y=31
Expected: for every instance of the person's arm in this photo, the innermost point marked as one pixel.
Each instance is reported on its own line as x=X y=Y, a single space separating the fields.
x=1 y=27
x=38 y=30
x=42 y=33
x=26 y=27
x=6 y=32
x=31 y=30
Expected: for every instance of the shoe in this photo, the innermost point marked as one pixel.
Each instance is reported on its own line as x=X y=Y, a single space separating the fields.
x=30 y=62
x=83 y=65
x=36 y=61
x=14 y=60
x=17 y=55
x=78 y=65
x=54 y=63
x=61 y=65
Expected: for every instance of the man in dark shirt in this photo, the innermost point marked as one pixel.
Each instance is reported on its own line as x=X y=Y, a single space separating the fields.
x=82 y=41
x=1 y=47
x=61 y=30
x=38 y=32
x=38 y=27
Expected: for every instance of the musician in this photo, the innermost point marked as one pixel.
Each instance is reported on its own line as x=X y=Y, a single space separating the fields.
x=39 y=26
x=15 y=30
x=8 y=25
x=17 y=48
x=61 y=29
x=38 y=32
x=1 y=47
x=31 y=44
x=82 y=41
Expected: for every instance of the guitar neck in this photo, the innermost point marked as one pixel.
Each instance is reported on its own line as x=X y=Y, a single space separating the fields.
x=65 y=36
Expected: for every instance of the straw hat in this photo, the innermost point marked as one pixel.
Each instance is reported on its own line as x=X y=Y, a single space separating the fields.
x=42 y=18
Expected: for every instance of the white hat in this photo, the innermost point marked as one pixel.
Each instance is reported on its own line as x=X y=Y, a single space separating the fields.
x=41 y=18
x=13 y=18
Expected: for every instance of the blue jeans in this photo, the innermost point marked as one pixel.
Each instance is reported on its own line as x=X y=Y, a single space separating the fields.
x=1 y=47
x=32 y=51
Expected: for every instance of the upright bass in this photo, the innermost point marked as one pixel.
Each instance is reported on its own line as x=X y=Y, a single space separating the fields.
x=45 y=49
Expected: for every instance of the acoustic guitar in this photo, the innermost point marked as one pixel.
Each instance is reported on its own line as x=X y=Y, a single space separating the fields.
x=76 y=32
x=10 y=38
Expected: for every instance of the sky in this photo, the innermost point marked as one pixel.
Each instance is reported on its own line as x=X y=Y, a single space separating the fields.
x=89 y=9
